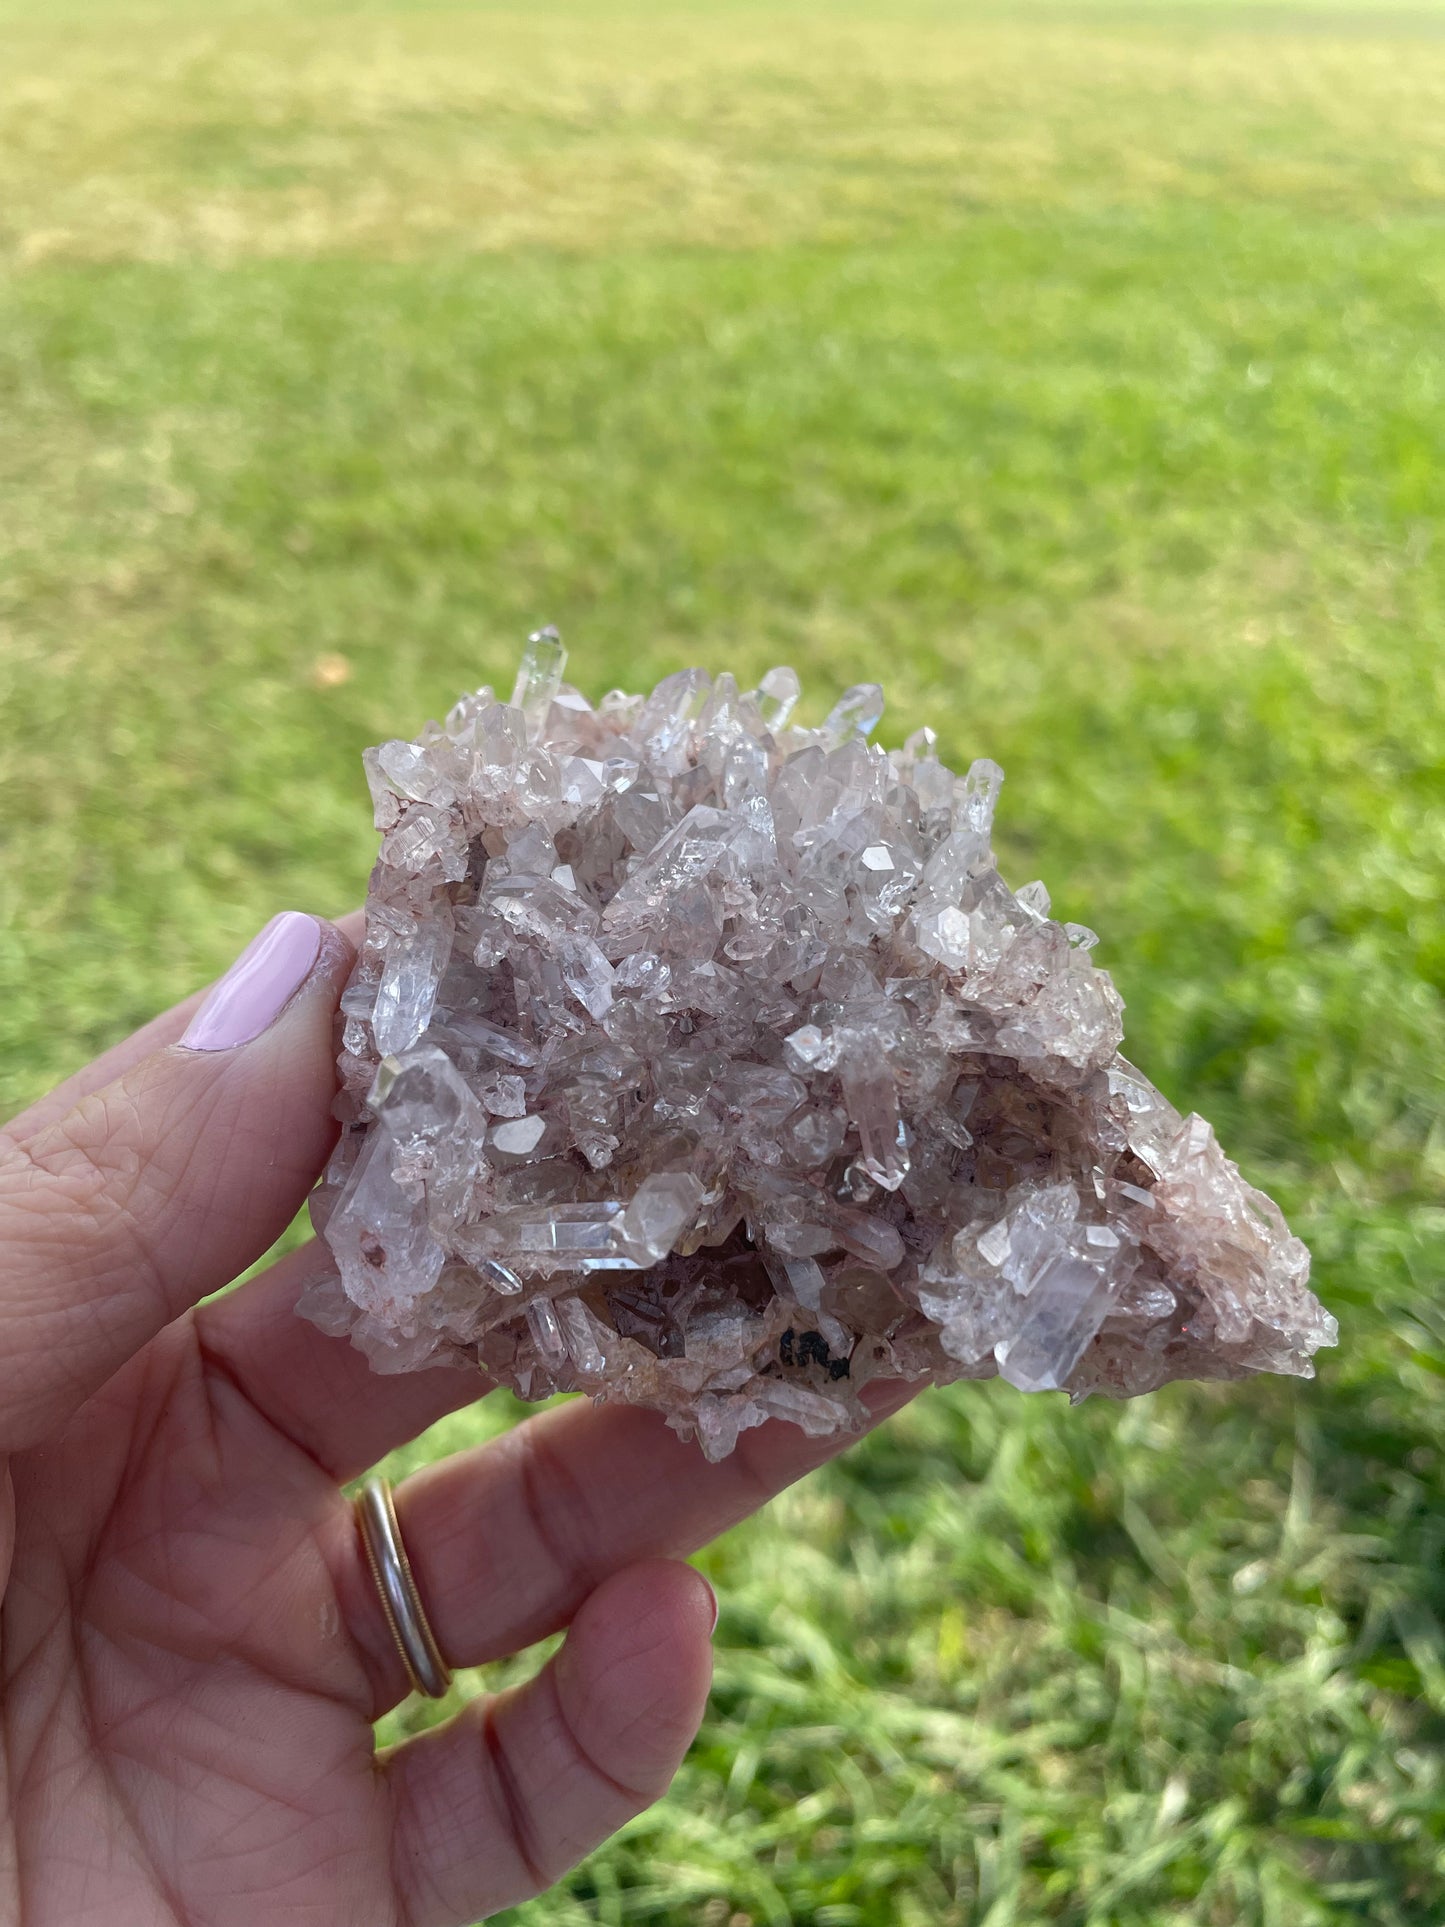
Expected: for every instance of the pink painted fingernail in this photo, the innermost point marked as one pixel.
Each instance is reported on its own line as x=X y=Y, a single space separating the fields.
x=259 y=984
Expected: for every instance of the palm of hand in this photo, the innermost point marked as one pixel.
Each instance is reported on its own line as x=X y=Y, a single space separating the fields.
x=191 y=1650
x=181 y=1697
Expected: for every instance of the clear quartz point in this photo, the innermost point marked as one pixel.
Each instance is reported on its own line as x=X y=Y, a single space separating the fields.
x=705 y=1062
x=778 y=694
x=857 y=712
x=538 y=679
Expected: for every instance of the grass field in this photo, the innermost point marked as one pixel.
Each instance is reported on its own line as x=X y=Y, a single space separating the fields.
x=1079 y=368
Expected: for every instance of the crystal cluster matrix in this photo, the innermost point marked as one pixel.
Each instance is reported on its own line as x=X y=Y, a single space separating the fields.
x=704 y=1061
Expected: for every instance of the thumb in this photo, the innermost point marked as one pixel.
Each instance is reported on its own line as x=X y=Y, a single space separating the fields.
x=164 y=1184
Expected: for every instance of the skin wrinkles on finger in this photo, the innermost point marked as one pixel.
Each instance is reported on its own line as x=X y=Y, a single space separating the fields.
x=548 y=1769
x=95 y=1157
x=155 y=1191
x=321 y=1391
x=588 y=1703
x=95 y=1161
x=7 y=1525
x=37 y=1663
x=10 y=1890
x=505 y=1552
x=112 y=1209
x=92 y=1164
x=162 y=1031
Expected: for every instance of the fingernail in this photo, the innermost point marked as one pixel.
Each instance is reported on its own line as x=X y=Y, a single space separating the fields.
x=259 y=984
x=713 y=1597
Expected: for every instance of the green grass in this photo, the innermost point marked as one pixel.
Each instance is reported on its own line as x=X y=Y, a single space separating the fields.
x=1084 y=369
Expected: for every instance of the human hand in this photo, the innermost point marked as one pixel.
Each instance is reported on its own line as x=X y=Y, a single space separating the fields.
x=192 y=1649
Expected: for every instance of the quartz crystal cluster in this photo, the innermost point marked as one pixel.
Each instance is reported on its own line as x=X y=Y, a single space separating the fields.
x=705 y=1061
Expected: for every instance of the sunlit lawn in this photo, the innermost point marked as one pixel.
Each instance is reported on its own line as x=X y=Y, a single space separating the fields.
x=1081 y=372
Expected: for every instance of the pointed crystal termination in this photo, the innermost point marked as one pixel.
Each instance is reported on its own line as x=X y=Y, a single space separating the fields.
x=704 y=1061
x=538 y=679
x=778 y=694
x=858 y=711
x=870 y=1097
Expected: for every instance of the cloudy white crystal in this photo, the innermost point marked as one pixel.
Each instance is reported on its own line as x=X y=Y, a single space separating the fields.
x=703 y=1061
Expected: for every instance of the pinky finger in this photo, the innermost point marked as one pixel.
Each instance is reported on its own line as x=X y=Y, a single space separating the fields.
x=496 y=1805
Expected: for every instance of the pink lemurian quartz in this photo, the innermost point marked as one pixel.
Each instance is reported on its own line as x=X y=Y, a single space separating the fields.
x=706 y=1062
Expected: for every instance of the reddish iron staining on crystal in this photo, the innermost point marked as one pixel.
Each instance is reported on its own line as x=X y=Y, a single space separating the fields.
x=705 y=1062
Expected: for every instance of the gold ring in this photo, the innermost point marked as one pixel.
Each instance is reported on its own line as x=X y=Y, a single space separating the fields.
x=400 y=1600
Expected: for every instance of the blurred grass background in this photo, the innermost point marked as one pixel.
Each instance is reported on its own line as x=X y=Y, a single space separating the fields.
x=1078 y=369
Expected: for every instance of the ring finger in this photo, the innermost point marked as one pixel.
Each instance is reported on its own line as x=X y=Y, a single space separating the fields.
x=507 y=1541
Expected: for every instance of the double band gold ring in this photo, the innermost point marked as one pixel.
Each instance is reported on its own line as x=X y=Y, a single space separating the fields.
x=400 y=1601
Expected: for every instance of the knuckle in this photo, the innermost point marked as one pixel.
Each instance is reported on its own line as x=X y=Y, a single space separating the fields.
x=514 y=1810
x=83 y=1201
x=558 y=1511
x=86 y=1164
